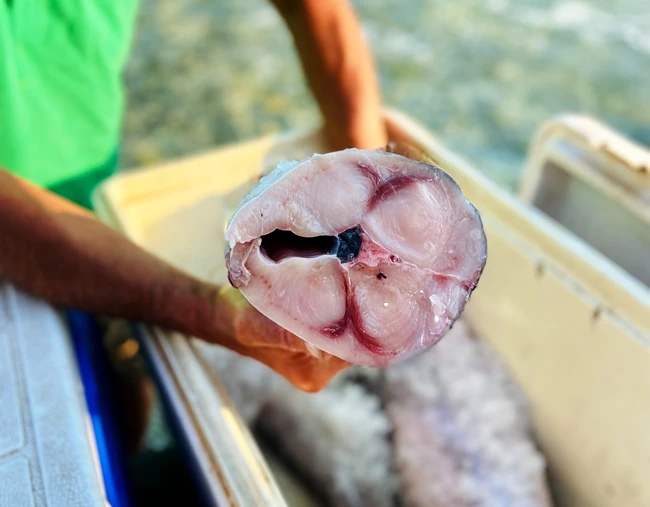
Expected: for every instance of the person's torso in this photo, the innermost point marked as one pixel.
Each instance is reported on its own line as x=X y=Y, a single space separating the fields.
x=60 y=84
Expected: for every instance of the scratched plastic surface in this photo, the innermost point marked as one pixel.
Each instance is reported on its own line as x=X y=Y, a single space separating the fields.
x=46 y=457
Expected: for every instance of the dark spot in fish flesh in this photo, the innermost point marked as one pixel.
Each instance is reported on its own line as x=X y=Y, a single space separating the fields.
x=349 y=244
x=381 y=276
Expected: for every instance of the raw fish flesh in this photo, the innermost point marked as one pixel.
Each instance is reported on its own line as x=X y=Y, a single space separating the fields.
x=365 y=254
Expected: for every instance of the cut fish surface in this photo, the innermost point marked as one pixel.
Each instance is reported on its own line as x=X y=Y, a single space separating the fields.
x=367 y=255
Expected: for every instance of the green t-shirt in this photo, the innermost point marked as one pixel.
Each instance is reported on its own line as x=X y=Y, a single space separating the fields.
x=61 y=95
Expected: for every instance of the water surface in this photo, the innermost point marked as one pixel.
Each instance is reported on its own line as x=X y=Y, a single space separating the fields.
x=483 y=74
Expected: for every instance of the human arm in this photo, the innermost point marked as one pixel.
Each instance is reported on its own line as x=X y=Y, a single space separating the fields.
x=339 y=70
x=59 y=252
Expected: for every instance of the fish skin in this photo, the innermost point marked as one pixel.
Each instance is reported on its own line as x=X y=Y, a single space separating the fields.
x=423 y=250
x=461 y=431
x=338 y=439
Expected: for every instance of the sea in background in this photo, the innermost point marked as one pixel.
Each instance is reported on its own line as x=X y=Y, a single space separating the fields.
x=484 y=75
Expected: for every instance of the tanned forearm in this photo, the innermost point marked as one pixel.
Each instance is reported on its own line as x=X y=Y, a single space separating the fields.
x=339 y=70
x=61 y=253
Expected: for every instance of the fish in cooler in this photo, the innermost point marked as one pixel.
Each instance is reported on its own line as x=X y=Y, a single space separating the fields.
x=448 y=428
x=338 y=440
x=365 y=254
x=461 y=434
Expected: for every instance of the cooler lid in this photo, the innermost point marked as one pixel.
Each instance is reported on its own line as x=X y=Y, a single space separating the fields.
x=47 y=445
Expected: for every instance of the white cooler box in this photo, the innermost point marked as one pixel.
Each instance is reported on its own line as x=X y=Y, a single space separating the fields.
x=572 y=325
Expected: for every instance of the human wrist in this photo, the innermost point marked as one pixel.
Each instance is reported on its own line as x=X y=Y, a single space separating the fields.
x=361 y=133
x=355 y=120
x=189 y=308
